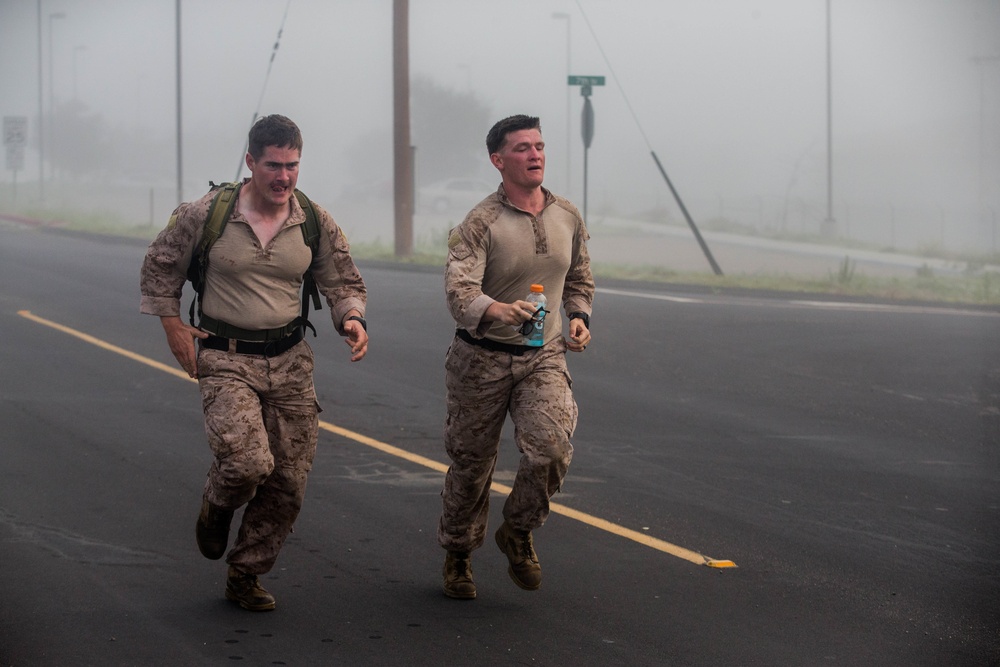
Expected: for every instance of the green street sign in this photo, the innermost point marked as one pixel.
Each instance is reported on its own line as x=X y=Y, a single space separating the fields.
x=576 y=80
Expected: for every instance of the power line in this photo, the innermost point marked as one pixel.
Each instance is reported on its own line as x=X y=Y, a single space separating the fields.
x=687 y=216
x=267 y=76
x=614 y=77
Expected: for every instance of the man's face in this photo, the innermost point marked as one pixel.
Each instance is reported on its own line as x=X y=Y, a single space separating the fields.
x=521 y=160
x=274 y=174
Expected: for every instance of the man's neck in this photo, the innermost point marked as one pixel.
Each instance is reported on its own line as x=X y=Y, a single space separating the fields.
x=262 y=209
x=530 y=200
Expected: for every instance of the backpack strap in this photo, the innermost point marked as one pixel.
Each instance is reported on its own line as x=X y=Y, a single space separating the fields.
x=218 y=214
x=310 y=234
x=215 y=224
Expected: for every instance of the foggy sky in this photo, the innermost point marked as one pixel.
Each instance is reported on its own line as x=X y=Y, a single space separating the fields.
x=731 y=94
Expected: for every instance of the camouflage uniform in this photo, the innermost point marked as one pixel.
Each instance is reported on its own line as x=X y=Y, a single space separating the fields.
x=532 y=385
x=261 y=419
x=261 y=413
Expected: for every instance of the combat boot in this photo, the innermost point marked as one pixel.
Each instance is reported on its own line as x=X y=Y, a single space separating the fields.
x=246 y=589
x=458 y=581
x=212 y=530
x=523 y=566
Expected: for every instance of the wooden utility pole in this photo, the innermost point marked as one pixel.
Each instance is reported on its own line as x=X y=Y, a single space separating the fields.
x=402 y=149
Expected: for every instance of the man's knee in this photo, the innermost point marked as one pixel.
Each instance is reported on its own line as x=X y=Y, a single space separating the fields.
x=239 y=471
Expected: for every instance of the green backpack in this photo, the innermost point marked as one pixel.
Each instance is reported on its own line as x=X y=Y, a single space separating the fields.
x=215 y=224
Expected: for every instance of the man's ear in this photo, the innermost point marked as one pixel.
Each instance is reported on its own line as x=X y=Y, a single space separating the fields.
x=496 y=160
x=249 y=161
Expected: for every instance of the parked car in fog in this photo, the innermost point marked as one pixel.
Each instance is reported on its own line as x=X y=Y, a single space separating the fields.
x=453 y=194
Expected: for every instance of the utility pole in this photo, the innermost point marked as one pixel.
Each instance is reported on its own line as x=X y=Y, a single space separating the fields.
x=981 y=62
x=41 y=114
x=402 y=148
x=52 y=96
x=829 y=227
x=180 y=152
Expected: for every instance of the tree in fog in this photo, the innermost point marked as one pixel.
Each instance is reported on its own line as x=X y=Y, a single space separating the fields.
x=84 y=146
x=449 y=130
x=81 y=144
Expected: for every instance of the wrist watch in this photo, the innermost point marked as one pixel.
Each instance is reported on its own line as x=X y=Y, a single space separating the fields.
x=364 y=324
x=583 y=316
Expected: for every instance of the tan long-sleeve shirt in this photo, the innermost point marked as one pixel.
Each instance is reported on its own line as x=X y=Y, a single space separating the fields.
x=247 y=285
x=499 y=251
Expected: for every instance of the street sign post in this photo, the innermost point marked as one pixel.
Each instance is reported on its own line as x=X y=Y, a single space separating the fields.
x=15 y=138
x=586 y=84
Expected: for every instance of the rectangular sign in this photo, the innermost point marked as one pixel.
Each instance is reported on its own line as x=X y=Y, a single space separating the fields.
x=15 y=131
x=576 y=80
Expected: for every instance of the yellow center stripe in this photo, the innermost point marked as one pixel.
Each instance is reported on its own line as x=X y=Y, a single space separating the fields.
x=590 y=520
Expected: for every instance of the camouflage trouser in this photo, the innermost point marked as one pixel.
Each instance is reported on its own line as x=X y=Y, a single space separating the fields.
x=261 y=418
x=483 y=386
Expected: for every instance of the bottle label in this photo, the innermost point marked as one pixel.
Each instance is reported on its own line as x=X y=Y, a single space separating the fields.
x=536 y=336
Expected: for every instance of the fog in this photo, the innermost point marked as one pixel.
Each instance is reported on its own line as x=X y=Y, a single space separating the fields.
x=730 y=94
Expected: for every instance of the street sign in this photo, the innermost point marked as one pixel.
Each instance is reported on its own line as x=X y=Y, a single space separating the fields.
x=576 y=80
x=15 y=138
x=15 y=131
x=587 y=123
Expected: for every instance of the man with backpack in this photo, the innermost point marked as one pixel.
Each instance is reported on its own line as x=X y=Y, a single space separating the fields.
x=249 y=248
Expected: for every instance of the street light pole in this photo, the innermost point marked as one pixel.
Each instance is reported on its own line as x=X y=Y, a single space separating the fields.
x=41 y=113
x=52 y=168
x=569 y=131
x=829 y=227
x=981 y=62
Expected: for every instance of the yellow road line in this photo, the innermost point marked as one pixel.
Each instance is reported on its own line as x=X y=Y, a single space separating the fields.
x=590 y=520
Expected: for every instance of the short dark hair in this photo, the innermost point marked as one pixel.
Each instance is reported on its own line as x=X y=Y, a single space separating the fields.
x=498 y=133
x=273 y=130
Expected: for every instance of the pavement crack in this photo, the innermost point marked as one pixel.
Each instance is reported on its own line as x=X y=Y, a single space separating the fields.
x=74 y=546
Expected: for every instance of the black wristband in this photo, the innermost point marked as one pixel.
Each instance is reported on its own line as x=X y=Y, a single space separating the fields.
x=583 y=316
x=364 y=324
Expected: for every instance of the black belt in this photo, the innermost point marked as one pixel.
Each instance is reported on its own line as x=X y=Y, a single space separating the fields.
x=493 y=345
x=271 y=349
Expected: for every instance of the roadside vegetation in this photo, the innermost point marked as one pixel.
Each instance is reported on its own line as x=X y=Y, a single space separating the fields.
x=976 y=286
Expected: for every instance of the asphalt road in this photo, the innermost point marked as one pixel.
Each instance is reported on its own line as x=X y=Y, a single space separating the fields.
x=843 y=456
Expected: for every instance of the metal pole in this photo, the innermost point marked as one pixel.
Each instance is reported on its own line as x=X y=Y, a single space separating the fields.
x=41 y=114
x=180 y=152
x=587 y=134
x=687 y=216
x=829 y=225
x=981 y=62
x=829 y=121
x=52 y=97
x=402 y=148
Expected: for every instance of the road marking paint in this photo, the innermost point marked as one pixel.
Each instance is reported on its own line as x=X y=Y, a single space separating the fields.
x=107 y=346
x=583 y=517
x=892 y=308
x=646 y=295
x=823 y=305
